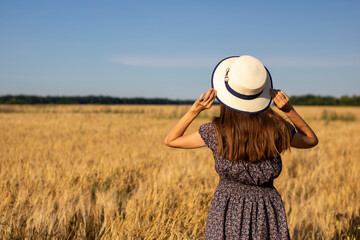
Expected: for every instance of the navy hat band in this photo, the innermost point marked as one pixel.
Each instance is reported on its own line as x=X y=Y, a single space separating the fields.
x=239 y=95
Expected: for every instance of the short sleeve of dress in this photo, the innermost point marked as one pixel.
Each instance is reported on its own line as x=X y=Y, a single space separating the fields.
x=292 y=131
x=208 y=133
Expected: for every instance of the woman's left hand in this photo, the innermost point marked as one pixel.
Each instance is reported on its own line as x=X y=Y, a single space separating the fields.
x=205 y=101
x=281 y=100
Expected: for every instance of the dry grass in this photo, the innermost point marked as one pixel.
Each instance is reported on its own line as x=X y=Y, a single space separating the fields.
x=94 y=172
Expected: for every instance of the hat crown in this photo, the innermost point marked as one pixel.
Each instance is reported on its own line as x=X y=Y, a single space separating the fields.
x=247 y=75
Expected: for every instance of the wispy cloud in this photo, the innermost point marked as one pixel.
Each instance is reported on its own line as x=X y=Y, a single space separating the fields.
x=323 y=62
x=142 y=61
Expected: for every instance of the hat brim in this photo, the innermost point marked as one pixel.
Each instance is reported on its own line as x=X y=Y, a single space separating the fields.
x=259 y=104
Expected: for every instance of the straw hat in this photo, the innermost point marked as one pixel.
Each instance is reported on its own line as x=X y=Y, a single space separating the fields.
x=242 y=84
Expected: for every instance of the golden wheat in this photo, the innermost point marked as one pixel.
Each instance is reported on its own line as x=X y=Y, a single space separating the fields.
x=102 y=172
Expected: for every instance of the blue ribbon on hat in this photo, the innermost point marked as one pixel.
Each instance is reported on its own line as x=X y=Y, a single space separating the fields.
x=239 y=95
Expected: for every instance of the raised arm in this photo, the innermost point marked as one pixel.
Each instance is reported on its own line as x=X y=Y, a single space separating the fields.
x=305 y=136
x=175 y=138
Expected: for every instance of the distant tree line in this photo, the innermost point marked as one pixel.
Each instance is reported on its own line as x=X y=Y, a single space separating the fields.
x=295 y=100
x=325 y=100
x=26 y=99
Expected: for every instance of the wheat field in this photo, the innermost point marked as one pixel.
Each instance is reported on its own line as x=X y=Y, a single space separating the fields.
x=102 y=172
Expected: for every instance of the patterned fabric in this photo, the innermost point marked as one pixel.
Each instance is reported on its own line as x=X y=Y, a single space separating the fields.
x=245 y=205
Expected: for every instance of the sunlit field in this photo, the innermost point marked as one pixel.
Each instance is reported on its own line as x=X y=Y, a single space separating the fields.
x=103 y=172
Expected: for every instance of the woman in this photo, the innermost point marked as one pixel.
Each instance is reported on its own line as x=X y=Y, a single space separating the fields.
x=246 y=140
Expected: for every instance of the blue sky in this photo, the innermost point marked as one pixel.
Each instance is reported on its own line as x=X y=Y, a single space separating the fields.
x=169 y=48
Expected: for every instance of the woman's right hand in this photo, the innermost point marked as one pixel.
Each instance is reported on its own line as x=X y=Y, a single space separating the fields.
x=281 y=100
x=175 y=137
x=205 y=101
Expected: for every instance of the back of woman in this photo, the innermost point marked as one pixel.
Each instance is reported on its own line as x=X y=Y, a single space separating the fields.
x=246 y=150
x=246 y=141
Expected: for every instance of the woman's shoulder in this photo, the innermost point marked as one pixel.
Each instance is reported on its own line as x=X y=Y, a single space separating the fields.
x=209 y=126
x=289 y=126
x=208 y=133
x=292 y=130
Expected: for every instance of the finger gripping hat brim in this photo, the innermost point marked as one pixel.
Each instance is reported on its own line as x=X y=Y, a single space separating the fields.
x=241 y=101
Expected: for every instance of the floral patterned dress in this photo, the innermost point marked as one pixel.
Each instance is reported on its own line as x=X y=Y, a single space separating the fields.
x=246 y=205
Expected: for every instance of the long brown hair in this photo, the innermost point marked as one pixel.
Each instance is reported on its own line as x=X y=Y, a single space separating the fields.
x=251 y=137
